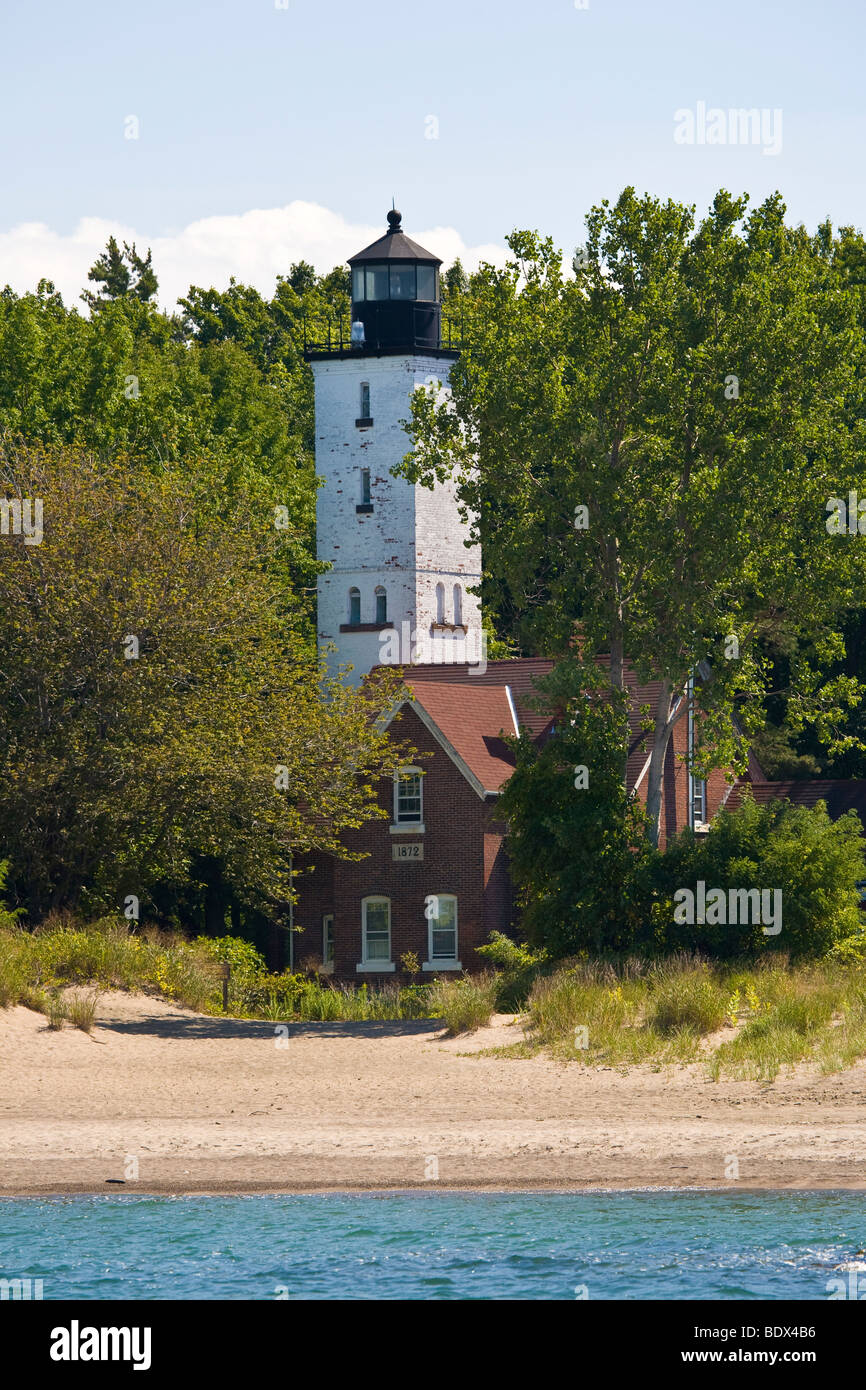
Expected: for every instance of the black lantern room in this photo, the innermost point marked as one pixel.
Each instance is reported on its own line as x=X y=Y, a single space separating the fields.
x=395 y=293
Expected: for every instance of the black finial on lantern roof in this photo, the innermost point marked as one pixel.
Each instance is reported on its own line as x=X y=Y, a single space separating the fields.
x=395 y=245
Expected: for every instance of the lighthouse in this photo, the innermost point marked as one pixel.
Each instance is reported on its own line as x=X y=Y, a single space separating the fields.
x=401 y=565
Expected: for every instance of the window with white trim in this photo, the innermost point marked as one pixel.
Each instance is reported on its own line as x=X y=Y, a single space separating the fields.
x=441 y=913
x=376 y=930
x=408 y=796
x=365 y=401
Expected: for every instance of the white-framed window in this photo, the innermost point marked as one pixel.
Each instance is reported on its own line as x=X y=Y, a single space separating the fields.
x=375 y=934
x=354 y=607
x=365 y=400
x=408 y=797
x=440 y=910
x=328 y=940
x=458 y=605
x=698 y=801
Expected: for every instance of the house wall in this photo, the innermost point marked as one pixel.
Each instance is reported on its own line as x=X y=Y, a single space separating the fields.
x=463 y=855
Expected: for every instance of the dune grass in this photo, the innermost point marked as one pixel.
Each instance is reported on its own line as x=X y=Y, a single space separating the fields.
x=37 y=968
x=745 y=1020
x=630 y=1011
x=466 y=1003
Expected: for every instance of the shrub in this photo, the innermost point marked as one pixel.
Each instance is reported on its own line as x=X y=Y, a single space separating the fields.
x=465 y=1004
x=518 y=967
x=81 y=1010
x=813 y=861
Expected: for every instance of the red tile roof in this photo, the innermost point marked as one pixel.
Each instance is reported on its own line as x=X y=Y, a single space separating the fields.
x=472 y=719
x=470 y=708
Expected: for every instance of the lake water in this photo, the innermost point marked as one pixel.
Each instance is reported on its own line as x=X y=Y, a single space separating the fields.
x=439 y=1245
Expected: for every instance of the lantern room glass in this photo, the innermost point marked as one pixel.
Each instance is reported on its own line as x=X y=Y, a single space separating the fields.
x=377 y=282
x=404 y=283
x=427 y=283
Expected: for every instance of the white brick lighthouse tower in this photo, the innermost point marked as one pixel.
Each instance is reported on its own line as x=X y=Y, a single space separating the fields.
x=397 y=589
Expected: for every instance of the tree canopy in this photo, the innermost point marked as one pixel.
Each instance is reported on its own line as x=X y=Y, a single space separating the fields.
x=648 y=449
x=159 y=702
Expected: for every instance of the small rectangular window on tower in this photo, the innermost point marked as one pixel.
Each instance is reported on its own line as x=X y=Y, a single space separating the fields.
x=365 y=419
x=365 y=505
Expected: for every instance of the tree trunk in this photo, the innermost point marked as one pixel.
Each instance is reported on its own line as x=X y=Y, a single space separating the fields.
x=661 y=737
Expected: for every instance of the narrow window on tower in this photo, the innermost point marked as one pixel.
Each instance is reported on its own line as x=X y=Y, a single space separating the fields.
x=458 y=606
x=364 y=420
x=440 y=603
x=354 y=607
x=365 y=487
x=381 y=606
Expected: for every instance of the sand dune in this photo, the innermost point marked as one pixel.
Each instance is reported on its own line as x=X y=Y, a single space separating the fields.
x=208 y=1104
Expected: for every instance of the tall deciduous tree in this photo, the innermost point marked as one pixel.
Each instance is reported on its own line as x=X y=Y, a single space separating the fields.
x=648 y=450
x=158 y=706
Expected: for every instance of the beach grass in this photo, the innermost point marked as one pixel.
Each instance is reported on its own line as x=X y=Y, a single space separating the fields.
x=746 y=1020
x=742 y=1020
x=466 y=1003
x=38 y=969
x=81 y=1010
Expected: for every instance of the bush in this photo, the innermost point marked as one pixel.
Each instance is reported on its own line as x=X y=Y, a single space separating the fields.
x=518 y=967
x=690 y=1000
x=813 y=861
x=465 y=1004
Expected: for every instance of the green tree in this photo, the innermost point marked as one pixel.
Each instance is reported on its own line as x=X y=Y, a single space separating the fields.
x=648 y=450
x=573 y=829
x=121 y=274
x=158 y=702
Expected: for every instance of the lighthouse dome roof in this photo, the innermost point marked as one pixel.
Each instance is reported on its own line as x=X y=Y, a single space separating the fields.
x=395 y=245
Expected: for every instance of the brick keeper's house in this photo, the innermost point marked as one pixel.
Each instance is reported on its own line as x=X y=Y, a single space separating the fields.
x=434 y=880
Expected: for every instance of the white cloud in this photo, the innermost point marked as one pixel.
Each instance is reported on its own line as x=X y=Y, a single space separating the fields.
x=253 y=246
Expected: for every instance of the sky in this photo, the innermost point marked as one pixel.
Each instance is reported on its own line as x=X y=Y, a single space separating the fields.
x=236 y=138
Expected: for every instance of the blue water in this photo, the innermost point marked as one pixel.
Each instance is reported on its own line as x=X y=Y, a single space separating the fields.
x=623 y=1245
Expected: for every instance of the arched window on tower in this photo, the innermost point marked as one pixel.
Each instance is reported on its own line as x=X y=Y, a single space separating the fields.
x=354 y=607
x=440 y=603
x=381 y=605
x=458 y=605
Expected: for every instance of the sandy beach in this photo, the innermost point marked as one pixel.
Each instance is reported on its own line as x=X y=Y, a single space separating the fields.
x=220 y=1105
